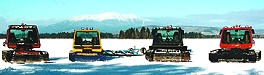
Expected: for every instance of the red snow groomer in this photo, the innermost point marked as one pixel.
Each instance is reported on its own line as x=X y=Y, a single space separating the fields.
x=236 y=43
x=22 y=39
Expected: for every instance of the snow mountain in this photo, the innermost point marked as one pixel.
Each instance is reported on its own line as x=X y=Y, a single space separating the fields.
x=107 y=16
x=106 y=22
x=112 y=22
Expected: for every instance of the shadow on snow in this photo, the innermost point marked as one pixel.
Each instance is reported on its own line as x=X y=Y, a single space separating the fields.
x=83 y=68
x=110 y=69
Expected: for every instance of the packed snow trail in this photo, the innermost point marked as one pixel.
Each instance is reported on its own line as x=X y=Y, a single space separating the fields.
x=59 y=48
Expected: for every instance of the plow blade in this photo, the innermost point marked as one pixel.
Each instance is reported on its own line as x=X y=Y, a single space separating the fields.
x=232 y=58
x=252 y=56
x=169 y=57
x=24 y=57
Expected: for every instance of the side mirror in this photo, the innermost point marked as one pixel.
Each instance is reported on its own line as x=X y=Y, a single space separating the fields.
x=220 y=32
x=182 y=32
x=253 y=31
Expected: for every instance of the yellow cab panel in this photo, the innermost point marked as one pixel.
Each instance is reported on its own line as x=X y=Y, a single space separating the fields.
x=87 y=40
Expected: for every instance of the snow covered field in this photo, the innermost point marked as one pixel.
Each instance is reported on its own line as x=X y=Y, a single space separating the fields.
x=59 y=48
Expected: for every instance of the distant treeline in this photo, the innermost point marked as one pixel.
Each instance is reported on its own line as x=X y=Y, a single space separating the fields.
x=131 y=33
x=70 y=35
x=145 y=33
x=134 y=33
x=65 y=35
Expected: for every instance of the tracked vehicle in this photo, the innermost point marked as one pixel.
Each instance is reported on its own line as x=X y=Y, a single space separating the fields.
x=22 y=39
x=167 y=46
x=87 y=46
x=236 y=43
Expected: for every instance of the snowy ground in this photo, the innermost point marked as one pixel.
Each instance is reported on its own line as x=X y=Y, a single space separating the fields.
x=59 y=48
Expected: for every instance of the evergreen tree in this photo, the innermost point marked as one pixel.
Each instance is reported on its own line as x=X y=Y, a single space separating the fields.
x=142 y=33
x=128 y=34
x=133 y=34
x=137 y=33
x=148 y=33
x=121 y=34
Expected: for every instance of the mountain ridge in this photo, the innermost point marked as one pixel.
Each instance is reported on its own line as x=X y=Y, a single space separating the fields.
x=112 y=22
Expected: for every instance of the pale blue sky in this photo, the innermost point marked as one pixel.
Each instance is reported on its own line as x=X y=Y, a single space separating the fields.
x=15 y=10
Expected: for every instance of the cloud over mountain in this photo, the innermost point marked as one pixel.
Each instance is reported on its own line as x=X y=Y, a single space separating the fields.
x=107 y=16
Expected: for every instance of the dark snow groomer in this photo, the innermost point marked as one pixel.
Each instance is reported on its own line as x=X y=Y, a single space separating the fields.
x=167 y=45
